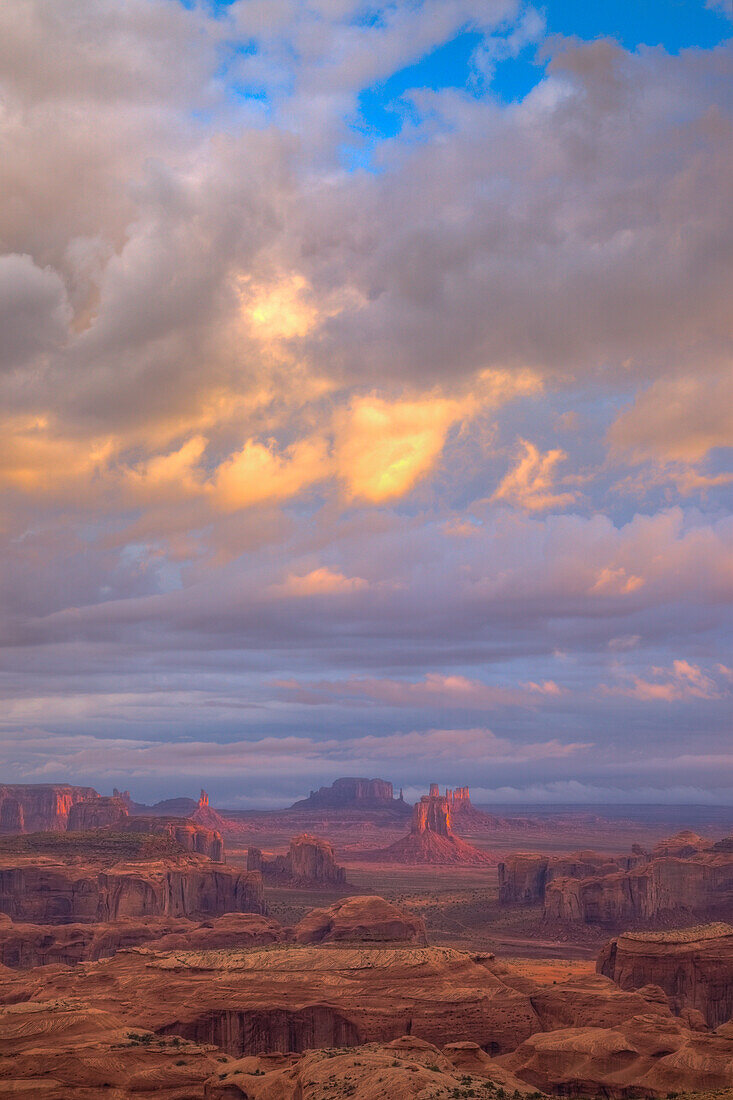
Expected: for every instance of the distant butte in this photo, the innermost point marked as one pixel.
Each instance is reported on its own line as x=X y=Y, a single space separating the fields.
x=354 y=794
x=431 y=838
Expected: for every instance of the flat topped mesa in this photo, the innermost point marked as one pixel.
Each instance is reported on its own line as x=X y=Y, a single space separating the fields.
x=354 y=793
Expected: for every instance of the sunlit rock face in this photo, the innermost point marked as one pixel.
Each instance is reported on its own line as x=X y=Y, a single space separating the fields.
x=39 y=807
x=432 y=813
x=694 y=967
x=431 y=838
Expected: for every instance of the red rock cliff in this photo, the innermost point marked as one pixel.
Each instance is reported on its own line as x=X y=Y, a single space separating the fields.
x=39 y=807
x=694 y=967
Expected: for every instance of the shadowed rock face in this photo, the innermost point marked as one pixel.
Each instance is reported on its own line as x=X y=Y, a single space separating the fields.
x=27 y=945
x=694 y=967
x=310 y=861
x=524 y=877
x=684 y=875
x=699 y=884
x=198 y=839
x=363 y=919
x=97 y=813
x=42 y=890
x=30 y=808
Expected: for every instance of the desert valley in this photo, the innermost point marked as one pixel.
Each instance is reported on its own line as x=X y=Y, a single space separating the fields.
x=352 y=945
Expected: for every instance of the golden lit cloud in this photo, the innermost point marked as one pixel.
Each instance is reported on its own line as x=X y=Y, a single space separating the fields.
x=280 y=311
x=683 y=681
x=36 y=461
x=383 y=448
x=530 y=484
x=260 y=473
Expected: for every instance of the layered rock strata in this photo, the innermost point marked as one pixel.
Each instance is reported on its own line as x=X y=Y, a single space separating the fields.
x=39 y=807
x=23 y=946
x=43 y=890
x=694 y=967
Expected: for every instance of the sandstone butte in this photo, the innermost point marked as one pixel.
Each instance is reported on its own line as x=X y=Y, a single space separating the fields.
x=30 y=808
x=685 y=877
x=694 y=967
x=310 y=861
x=352 y=793
x=431 y=838
x=102 y=876
x=364 y=919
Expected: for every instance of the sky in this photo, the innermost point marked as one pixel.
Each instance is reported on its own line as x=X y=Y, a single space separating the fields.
x=366 y=402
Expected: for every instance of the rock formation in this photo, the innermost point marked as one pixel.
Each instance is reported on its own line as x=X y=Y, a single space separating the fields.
x=363 y=919
x=205 y=1022
x=206 y=815
x=524 y=876
x=192 y=837
x=642 y=1056
x=431 y=838
x=39 y=807
x=47 y=890
x=699 y=884
x=404 y=1068
x=285 y=997
x=685 y=876
x=694 y=967
x=27 y=945
x=354 y=794
x=97 y=813
x=310 y=861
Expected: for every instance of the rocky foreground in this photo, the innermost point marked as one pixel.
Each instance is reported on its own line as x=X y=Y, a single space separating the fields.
x=350 y=1002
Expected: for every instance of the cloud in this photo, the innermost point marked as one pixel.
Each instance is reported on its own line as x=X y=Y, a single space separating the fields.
x=34 y=311
x=107 y=758
x=684 y=681
x=616 y=582
x=530 y=484
x=678 y=419
x=383 y=448
x=319 y=582
x=268 y=361
x=435 y=689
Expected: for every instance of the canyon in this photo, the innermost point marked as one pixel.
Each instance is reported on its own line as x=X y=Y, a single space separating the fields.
x=373 y=1014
